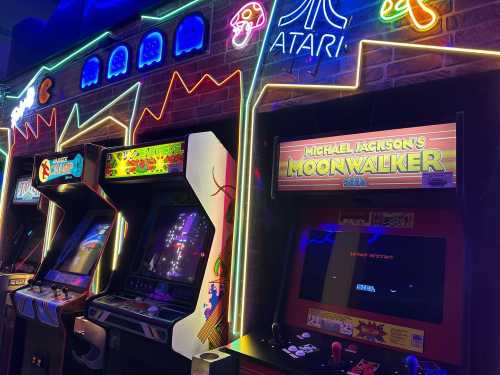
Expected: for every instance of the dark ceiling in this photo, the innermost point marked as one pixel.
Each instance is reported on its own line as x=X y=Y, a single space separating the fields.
x=13 y=11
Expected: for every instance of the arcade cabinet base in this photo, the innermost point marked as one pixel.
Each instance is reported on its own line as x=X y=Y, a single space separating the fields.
x=310 y=353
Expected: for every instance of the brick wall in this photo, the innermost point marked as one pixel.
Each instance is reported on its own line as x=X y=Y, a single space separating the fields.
x=462 y=23
x=207 y=103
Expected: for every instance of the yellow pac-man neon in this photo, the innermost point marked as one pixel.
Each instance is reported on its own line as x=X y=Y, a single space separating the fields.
x=422 y=16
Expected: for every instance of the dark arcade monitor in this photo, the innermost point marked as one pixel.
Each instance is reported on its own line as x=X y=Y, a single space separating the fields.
x=177 y=238
x=393 y=275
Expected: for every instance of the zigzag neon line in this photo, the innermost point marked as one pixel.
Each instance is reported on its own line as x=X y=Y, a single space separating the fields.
x=95 y=41
x=90 y=125
x=39 y=119
x=75 y=111
x=58 y=64
x=176 y=76
x=243 y=209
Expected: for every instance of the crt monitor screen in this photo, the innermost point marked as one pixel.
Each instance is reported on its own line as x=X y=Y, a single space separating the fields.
x=394 y=275
x=176 y=244
x=84 y=256
x=25 y=193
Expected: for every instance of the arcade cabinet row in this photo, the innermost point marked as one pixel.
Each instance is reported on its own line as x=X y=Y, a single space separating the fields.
x=127 y=273
x=133 y=277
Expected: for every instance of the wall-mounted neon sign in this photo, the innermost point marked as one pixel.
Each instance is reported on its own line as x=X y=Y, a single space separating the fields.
x=410 y=158
x=422 y=17
x=151 y=50
x=190 y=36
x=25 y=104
x=299 y=32
x=91 y=73
x=249 y=18
x=145 y=161
x=118 y=62
x=44 y=91
x=63 y=169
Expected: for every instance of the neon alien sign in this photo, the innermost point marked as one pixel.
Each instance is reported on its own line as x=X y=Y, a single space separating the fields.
x=308 y=38
x=422 y=16
x=248 y=19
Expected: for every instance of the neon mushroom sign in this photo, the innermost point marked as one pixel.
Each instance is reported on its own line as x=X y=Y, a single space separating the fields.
x=249 y=18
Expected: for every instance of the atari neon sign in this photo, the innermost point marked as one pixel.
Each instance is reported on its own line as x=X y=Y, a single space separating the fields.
x=315 y=27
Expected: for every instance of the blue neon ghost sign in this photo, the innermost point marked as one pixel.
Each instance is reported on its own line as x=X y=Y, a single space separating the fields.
x=190 y=36
x=118 y=62
x=91 y=73
x=151 y=50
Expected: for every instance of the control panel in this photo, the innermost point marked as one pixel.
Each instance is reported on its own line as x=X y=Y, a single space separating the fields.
x=160 y=290
x=43 y=301
x=302 y=352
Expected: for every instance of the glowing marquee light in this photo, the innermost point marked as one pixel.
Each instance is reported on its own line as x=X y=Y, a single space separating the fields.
x=310 y=40
x=248 y=19
x=422 y=16
x=25 y=104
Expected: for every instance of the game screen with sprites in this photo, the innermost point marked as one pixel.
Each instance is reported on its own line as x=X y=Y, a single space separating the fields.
x=84 y=256
x=394 y=275
x=176 y=245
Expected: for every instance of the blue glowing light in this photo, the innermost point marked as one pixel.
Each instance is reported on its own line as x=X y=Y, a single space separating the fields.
x=118 y=63
x=190 y=36
x=91 y=73
x=366 y=288
x=151 y=50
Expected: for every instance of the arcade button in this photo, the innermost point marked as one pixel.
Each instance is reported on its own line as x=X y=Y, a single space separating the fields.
x=352 y=348
x=292 y=348
x=153 y=310
x=305 y=335
x=300 y=353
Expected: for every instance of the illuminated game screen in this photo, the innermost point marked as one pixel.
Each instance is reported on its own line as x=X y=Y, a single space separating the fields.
x=82 y=259
x=81 y=252
x=401 y=276
x=25 y=193
x=177 y=243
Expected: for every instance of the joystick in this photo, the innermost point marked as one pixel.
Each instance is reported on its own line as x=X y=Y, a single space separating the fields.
x=411 y=363
x=276 y=331
x=31 y=282
x=336 y=355
x=39 y=285
x=65 y=291
x=55 y=289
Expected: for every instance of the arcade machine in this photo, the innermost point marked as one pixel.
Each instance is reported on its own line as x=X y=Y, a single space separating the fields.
x=22 y=241
x=166 y=300
x=47 y=307
x=374 y=260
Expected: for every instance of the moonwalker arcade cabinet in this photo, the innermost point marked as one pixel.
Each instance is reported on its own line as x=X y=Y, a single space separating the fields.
x=22 y=234
x=373 y=270
x=58 y=292
x=167 y=299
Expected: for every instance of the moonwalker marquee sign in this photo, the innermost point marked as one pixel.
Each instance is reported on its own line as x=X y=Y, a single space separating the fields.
x=410 y=158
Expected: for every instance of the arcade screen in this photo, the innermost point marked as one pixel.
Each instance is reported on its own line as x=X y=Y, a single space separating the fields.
x=394 y=275
x=25 y=193
x=85 y=255
x=81 y=252
x=30 y=242
x=177 y=241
